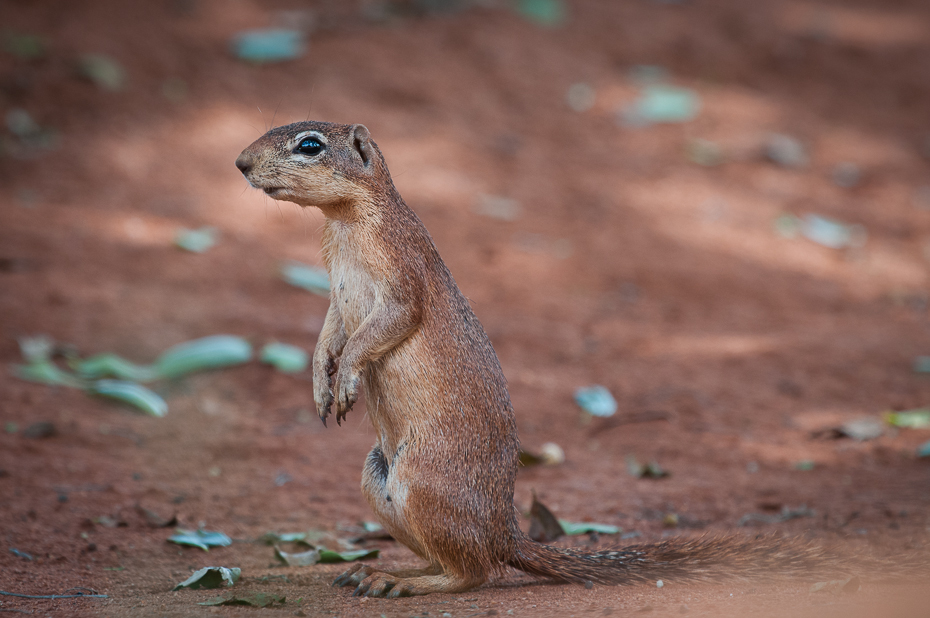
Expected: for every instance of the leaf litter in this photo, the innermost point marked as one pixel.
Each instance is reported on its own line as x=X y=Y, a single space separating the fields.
x=918 y=418
x=211 y=577
x=112 y=376
x=544 y=526
x=651 y=470
x=204 y=539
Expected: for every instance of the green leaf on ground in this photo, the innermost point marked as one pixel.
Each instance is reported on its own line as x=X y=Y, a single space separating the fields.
x=924 y=450
x=544 y=12
x=596 y=401
x=211 y=577
x=307 y=277
x=108 y=365
x=201 y=354
x=46 y=372
x=129 y=392
x=272 y=45
x=327 y=556
x=918 y=418
x=204 y=539
x=284 y=357
x=196 y=241
x=255 y=599
x=273 y=538
x=25 y=46
x=104 y=71
x=572 y=528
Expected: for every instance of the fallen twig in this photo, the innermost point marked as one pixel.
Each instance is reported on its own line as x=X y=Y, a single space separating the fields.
x=640 y=417
x=93 y=595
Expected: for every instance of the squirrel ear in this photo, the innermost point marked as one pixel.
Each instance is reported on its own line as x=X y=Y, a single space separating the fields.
x=361 y=140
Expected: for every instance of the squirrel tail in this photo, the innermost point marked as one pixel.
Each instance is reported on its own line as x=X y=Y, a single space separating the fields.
x=680 y=560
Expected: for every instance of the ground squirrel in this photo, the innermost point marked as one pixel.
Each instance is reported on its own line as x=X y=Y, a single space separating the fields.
x=441 y=476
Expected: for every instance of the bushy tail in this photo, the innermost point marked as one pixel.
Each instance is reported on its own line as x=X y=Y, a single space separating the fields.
x=684 y=560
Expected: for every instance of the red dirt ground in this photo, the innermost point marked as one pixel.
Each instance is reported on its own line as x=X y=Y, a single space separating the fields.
x=629 y=266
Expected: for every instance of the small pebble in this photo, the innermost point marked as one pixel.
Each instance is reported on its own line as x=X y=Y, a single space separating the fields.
x=588 y=585
x=660 y=583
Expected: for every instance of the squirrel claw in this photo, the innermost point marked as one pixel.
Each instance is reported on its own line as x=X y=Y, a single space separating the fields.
x=353 y=576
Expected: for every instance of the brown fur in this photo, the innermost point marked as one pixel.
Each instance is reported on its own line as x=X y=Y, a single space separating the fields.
x=441 y=476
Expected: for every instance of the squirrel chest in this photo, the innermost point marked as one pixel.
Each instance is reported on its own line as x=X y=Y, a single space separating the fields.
x=354 y=288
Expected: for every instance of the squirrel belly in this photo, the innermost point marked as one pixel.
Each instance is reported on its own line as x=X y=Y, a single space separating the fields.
x=441 y=476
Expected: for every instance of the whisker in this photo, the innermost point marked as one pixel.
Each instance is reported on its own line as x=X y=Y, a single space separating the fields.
x=275 y=114
x=312 y=88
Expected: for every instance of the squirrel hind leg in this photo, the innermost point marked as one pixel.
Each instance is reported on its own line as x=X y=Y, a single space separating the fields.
x=388 y=586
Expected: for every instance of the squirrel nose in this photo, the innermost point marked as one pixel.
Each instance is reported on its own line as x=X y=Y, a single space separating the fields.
x=244 y=163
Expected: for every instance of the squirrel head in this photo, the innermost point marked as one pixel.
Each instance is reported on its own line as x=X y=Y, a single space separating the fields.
x=329 y=166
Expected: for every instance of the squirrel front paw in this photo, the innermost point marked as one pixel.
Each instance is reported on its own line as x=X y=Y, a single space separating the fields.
x=323 y=387
x=346 y=394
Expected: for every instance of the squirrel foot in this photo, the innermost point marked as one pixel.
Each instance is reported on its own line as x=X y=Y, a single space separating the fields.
x=370 y=582
x=387 y=586
x=354 y=576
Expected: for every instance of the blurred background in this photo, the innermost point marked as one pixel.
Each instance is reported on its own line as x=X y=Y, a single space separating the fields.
x=717 y=210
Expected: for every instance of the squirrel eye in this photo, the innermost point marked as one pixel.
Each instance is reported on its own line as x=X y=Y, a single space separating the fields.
x=309 y=146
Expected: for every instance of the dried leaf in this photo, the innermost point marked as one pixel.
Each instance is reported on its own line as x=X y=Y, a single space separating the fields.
x=256 y=599
x=306 y=558
x=210 y=577
x=862 y=429
x=544 y=526
x=154 y=520
x=652 y=470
